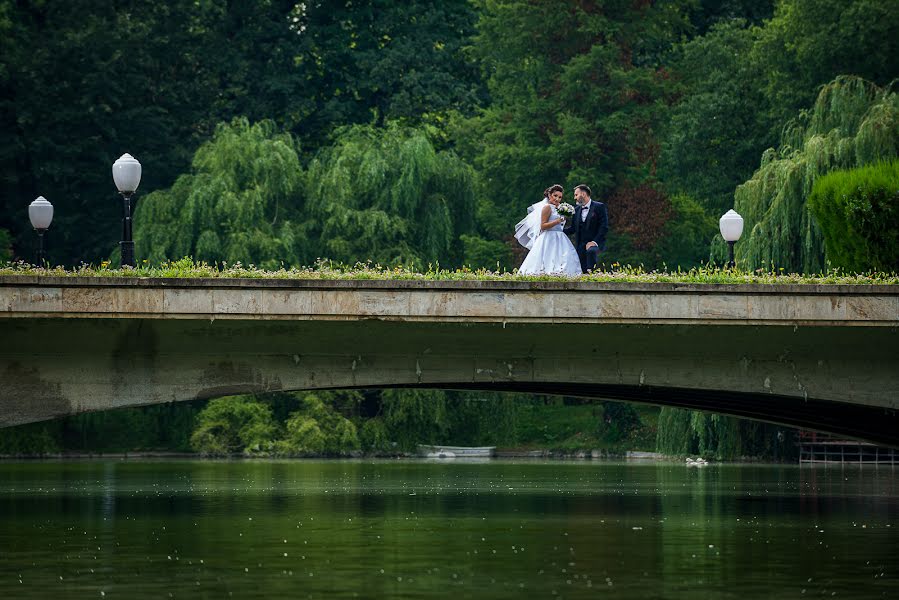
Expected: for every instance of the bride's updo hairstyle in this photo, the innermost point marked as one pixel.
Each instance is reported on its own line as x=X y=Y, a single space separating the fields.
x=553 y=188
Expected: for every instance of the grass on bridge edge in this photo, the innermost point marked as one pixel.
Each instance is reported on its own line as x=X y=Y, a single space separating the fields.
x=327 y=270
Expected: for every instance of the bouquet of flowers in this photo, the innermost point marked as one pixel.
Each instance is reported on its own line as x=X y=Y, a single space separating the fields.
x=566 y=210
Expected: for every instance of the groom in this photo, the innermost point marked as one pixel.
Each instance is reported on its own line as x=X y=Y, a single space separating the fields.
x=589 y=226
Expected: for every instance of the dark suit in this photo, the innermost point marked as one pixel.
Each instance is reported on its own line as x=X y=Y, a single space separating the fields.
x=593 y=229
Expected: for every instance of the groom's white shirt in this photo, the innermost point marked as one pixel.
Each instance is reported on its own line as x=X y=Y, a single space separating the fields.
x=585 y=208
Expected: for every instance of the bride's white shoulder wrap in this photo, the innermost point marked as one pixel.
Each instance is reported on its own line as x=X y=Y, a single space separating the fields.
x=527 y=229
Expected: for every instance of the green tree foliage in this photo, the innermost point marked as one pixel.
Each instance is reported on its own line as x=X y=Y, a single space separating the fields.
x=81 y=83
x=577 y=93
x=381 y=60
x=165 y=427
x=687 y=235
x=5 y=246
x=318 y=429
x=236 y=424
x=719 y=127
x=241 y=203
x=858 y=213
x=743 y=79
x=683 y=432
x=387 y=195
x=641 y=213
x=415 y=416
x=373 y=437
x=619 y=419
x=161 y=426
x=810 y=42
x=705 y=14
x=481 y=419
x=853 y=123
x=33 y=439
x=480 y=253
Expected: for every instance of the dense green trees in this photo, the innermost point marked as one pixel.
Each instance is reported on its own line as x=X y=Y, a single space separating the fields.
x=810 y=42
x=241 y=203
x=576 y=98
x=743 y=81
x=716 y=131
x=386 y=194
x=381 y=60
x=280 y=132
x=233 y=425
x=340 y=423
x=853 y=123
x=383 y=194
x=83 y=81
x=719 y=437
x=643 y=101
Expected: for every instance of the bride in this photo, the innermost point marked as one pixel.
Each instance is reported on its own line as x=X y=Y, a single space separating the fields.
x=551 y=252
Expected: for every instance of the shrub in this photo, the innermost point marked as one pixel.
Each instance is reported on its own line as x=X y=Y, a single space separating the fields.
x=858 y=212
x=479 y=253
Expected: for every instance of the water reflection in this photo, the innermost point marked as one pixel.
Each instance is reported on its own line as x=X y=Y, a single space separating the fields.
x=423 y=529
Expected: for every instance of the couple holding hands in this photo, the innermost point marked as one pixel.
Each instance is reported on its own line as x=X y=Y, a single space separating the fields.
x=546 y=229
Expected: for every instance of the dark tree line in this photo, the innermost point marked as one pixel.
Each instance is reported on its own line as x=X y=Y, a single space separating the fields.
x=83 y=81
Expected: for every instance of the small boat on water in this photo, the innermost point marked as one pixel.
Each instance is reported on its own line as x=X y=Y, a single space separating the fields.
x=456 y=451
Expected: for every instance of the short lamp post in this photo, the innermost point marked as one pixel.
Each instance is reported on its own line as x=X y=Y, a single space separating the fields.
x=40 y=213
x=126 y=174
x=731 y=226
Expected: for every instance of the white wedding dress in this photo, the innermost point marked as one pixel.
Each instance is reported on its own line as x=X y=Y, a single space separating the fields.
x=551 y=252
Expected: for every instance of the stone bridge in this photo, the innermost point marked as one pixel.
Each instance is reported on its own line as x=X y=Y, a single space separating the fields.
x=820 y=357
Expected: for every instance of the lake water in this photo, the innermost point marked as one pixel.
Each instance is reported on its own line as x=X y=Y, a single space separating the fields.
x=416 y=529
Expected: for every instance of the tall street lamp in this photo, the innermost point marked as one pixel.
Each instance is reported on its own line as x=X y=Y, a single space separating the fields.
x=731 y=226
x=40 y=213
x=126 y=174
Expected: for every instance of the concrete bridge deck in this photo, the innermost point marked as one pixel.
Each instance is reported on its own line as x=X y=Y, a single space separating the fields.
x=823 y=357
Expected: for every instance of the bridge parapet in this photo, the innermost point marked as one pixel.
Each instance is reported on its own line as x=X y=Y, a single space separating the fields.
x=479 y=301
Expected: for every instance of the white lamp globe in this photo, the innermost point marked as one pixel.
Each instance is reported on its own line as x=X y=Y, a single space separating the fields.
x=40 y=212
x=731 y=226
x=126 y=174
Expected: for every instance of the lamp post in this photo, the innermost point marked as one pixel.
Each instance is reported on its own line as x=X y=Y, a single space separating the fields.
x=40 y=213
x=126 y=174
x=731 y=226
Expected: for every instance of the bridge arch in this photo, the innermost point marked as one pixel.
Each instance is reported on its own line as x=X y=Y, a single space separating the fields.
x=824 y=357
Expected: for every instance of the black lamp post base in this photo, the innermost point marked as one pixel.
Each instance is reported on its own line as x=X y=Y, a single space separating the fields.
x=127 y=243
x=730 y=251
x=40 y=247
x=127 y=253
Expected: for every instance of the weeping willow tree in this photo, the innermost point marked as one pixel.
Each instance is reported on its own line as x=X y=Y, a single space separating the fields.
x=387 y=195
x=852 y=123
x=239 y=203
x=682 y=432
x=415 y=417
